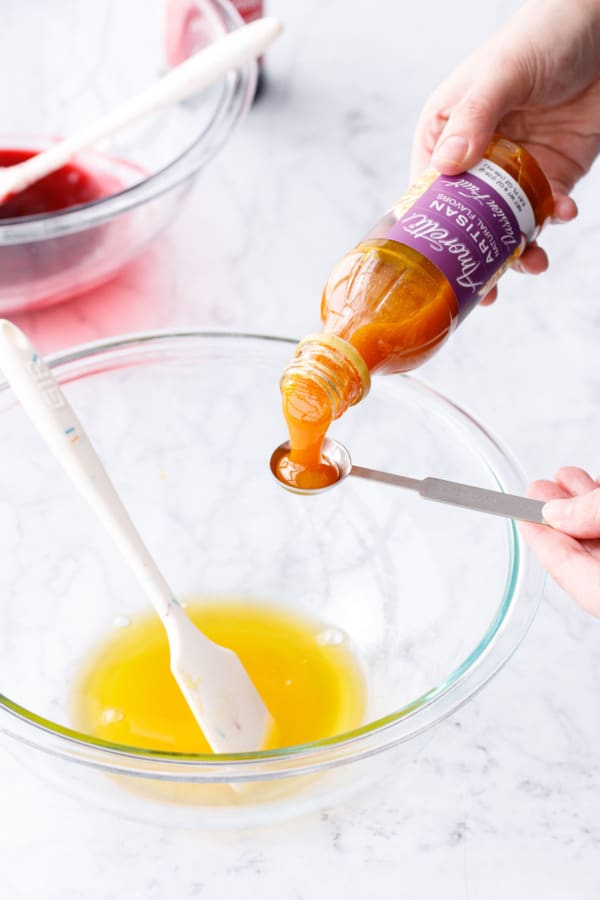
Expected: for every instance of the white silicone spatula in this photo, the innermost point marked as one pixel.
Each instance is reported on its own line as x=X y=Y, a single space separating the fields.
x=216 y=686
x=196 y=73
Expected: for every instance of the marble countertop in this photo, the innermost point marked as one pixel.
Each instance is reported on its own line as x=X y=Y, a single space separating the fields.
x=506 y=800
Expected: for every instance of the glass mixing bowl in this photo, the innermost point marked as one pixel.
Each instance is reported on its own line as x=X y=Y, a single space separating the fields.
x=68 y=64
x=435 y=599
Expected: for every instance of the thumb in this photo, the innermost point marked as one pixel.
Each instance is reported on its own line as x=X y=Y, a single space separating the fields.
x=473 y=120
x=578 y=516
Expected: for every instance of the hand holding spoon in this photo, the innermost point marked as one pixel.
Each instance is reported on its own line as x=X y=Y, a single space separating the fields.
x=216 y=686
x=196 y=73
x=468 y=496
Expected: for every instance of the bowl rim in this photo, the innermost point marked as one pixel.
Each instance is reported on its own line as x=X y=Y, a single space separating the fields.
x=237 y=91
x=514 y=615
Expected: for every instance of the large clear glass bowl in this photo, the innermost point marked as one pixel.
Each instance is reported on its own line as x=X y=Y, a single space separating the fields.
x=67 y=64
x=435 y=599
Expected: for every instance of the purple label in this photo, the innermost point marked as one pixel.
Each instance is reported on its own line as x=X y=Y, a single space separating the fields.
x=463 y=226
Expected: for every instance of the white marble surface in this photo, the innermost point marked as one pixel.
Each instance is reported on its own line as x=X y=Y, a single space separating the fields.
x=506 y=800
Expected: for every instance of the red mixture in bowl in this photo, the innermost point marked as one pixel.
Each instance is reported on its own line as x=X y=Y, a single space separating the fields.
x=69 y=186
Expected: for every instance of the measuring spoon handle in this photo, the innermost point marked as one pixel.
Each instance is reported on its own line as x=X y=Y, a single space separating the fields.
x=496 y=503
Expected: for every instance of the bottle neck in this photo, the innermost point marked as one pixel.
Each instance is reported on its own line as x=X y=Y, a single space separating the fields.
x=330 y=369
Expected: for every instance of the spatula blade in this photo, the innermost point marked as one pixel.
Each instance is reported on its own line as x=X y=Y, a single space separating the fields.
x=218 y=690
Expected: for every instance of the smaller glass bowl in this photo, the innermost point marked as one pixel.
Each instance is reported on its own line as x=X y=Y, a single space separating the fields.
x=434 y=599
x=146 y=169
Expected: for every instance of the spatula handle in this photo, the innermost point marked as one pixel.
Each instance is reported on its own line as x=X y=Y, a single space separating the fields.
x=50 y=412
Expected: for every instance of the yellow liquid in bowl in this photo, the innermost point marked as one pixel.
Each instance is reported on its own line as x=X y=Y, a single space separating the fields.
x=305 y=671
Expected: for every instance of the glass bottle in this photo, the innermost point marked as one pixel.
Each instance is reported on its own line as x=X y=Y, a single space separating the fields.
x=393 y=300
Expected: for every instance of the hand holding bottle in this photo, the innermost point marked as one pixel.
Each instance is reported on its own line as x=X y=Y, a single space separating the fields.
x=394 y=299
x=570 y=550
x=536 y=80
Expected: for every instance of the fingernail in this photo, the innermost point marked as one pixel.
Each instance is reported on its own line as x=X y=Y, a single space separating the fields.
x=557 y=512
x=451 y=152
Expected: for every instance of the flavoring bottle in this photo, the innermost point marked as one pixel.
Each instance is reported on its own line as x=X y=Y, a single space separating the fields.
x=394 y=299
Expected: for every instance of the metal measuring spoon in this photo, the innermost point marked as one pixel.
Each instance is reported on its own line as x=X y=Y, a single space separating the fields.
x=468 y=496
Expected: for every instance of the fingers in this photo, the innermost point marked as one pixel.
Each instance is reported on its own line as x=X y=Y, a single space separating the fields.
x=473 y=119
x=569 y=564
x=533 y=261
x=565 y=208
x=578 y=516
x=490 y=297
x=460 y=117
x=537 y=536
x=570 y=482
x=575 y=481
x=547 y=490
x=431 y=124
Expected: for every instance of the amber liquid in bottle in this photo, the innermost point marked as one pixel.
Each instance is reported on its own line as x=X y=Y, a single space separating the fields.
x=387 y=307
